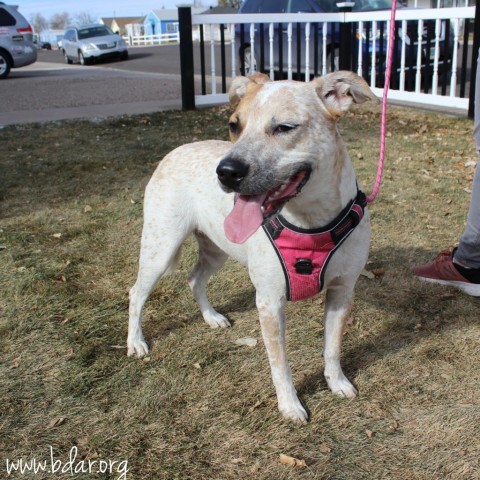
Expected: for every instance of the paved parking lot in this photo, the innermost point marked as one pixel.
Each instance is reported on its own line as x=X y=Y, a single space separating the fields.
x=49 y=90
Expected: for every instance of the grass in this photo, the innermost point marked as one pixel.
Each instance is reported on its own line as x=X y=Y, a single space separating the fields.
x=200 y=406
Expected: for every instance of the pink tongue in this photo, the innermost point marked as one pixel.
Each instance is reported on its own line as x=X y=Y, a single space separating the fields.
x=245 y=218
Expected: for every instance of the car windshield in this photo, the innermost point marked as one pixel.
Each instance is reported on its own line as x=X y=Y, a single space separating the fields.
x=368 y=5
x=294 y=6
x=90 y=32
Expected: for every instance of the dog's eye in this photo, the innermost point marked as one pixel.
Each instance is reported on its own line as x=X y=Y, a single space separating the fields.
x=233 y=126
x=284 y=128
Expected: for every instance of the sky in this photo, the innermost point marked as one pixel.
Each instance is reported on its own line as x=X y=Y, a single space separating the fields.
x=97 y=8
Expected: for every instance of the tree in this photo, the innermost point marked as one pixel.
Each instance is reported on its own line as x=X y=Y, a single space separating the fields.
x=84 y=18
x=38 y=22
x=60 y=21
x=230 y=3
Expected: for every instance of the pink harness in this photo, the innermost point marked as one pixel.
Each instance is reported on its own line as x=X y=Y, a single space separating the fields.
x=304 y=254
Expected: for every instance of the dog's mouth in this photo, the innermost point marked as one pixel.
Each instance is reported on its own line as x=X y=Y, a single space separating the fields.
x=251 y=211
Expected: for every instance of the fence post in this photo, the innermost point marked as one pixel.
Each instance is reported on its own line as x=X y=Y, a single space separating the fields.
x=186 y=57
x=345 y=53
x=476 y=45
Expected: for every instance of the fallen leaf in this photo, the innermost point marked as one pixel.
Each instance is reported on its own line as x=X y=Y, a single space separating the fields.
x=254 y=407
x=57 y=235
x=294 y=462
x=393 y=427
x=87 y=209
x=324 y=447
x=370 y=433
x=56 y=422
x=16 y=363
x=197 y=366
x=378 y=272
x=246 y=341
x=60 y=278
x=368 y=274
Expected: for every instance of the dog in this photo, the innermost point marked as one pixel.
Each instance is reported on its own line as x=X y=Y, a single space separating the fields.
x=285 y=155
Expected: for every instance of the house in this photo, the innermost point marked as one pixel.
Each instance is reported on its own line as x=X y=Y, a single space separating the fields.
x=119 y=24
x=163 y=21
x=52 y=37
x=214 y=30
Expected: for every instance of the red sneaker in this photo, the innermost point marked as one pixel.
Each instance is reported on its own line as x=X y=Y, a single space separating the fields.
x=443 y=271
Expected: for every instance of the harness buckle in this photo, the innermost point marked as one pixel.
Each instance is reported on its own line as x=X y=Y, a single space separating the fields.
x=303 y=266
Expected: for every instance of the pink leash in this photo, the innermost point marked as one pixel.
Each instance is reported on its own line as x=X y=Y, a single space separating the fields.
x=383 y=129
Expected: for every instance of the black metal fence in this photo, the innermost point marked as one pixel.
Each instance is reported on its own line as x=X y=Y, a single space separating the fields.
x=342 y=54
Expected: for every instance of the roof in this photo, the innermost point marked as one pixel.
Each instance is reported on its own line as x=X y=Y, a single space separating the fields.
x=172 y=13
x=220 y=10
x=122 y=21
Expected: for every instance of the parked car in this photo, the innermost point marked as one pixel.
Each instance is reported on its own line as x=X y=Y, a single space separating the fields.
x=41 y=45
x=91 y=43
x=16 y=40
x=242 y=36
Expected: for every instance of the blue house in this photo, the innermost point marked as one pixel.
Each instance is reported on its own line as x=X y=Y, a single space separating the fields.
x=163 y=21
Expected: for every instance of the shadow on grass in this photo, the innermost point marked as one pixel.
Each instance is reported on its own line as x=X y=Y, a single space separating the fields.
x=415 y=312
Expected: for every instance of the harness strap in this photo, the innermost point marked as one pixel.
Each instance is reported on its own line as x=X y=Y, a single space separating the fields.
x=305 y=253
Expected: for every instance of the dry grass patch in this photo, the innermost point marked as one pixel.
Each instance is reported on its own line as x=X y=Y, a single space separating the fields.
x=200 y=406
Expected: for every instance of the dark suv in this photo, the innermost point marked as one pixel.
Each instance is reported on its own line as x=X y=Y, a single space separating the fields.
x=16 y=40
x=261 y=58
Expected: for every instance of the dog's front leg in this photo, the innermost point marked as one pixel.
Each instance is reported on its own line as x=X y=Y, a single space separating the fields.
x=272 y=321
x=337 y=307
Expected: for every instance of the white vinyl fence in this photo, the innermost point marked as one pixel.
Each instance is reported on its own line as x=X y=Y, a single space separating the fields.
x=426 y=75
x=144 y=40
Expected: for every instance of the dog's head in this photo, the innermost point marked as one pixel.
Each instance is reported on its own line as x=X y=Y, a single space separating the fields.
x=281 y=132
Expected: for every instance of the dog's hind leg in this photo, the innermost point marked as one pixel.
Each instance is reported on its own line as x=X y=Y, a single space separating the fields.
x=272 y=321
x=337 y=308
x=210 y=259
x=162 y=238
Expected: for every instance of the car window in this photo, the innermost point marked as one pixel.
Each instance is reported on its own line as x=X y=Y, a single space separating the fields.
x=295 y=6
x=327 y=6
x=367 y=5
x=90 y=32
x=69 y=35
x=266 y=6
x=6 y=20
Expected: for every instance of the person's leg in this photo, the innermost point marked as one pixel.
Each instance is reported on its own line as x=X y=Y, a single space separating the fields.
x=468 y=252
x=460 y=267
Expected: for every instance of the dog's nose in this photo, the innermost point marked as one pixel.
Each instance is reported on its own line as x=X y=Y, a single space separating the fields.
x=231 y=172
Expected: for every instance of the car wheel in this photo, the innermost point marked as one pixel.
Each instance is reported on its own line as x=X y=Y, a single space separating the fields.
x=66 y=58
x=124 y=56
x=246 y=59
x=5 y=64
x=81 y=59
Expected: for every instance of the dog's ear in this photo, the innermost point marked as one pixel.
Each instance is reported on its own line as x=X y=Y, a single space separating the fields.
x=339 y=89
x=240 y=85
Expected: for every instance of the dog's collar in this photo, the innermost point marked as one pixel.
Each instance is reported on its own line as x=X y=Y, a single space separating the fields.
x=305 y=253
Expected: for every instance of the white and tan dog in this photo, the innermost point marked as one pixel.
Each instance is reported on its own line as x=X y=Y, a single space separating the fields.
x=286 y=153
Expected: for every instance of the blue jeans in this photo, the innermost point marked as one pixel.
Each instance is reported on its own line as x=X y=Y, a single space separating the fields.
x=468 y=252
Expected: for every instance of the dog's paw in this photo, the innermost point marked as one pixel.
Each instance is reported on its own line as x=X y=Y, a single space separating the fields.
x=216 y=320
x=342 y=387
x=137 y=347
x=296 y=413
